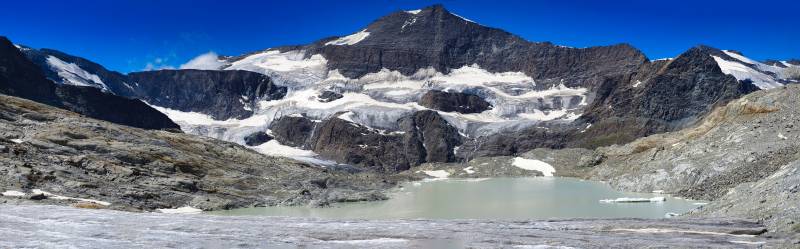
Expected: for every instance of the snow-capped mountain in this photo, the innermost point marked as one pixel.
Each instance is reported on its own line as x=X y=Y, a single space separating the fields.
x=379 y=96
x=21 y=77
x=66 y=69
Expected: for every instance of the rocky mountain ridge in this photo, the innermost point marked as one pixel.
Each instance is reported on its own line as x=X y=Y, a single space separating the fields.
x=21 y=77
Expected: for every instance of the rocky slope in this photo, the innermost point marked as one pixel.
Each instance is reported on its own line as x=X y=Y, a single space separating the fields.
x=20 y=77
x=92 y=163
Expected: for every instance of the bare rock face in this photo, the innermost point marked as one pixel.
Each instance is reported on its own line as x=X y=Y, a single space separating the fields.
x=454 y=102
x=354 y=144
x=423 y=137
x=328 y=96
x=295 y=131
x=430 y=130
x=220 y=94
x=20 y=77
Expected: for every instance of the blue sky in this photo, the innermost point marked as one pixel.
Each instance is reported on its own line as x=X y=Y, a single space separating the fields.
x=127 y=35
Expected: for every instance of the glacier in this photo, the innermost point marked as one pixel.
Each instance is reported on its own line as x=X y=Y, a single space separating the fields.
x=377 y=100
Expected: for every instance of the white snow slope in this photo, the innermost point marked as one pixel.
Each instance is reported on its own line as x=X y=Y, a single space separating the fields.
x=72 y=74
x=742 y=68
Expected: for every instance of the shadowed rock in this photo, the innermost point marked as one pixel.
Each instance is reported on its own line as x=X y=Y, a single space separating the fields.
x=454 y=102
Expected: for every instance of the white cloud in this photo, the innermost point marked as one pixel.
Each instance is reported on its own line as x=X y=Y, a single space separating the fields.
x=207 y=61
x=158 y=63
x=156 y=66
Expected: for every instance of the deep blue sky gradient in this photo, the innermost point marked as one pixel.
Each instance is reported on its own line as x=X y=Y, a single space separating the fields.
x=126 y=35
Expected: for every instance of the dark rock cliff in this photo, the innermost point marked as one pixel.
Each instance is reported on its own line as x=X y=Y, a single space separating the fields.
x=423 y=137
x=454 y=102
x=220 y=94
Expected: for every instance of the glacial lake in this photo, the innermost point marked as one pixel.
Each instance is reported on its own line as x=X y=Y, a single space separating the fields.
x=491 y=198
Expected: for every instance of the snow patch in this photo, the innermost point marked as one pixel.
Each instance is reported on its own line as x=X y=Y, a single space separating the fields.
x=469 y=170
x=533 y=164
x=350 y=39
x=73 y=74
x=462 y=18
x=634 y=200
x=638 y=82
x=17 y=140
x=60 y=197
x=437 y=173
x=290 y=68
x=408 y=23
x=413 y=12
x=13 y=193
x=275 y=148
x=180 y=210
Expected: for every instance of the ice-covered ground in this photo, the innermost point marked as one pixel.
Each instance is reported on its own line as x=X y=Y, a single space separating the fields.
x=28 y=226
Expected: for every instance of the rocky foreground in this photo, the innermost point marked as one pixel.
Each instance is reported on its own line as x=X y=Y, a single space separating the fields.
x=46 y=226
x=49 y=155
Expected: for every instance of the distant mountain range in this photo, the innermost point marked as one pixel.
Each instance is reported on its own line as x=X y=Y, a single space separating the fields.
x=409 y=88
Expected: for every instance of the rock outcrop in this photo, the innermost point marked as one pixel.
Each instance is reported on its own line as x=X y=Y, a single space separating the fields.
x=328 y=96
x=422 y=137
x=454 y=102
x=257 y=138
